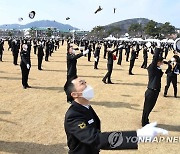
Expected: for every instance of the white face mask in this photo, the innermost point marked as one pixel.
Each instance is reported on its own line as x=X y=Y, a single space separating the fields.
x=74 y=51
x=173 y=59
x=88 y=93
x=25 y=47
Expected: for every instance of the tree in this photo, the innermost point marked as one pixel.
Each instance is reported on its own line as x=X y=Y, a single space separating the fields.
x=135 y=27
x=32 y=31
x=113 y=30
x=10 y=33
x=152 y=28
x=49 y=32
x=167 y=28
x=98 y=28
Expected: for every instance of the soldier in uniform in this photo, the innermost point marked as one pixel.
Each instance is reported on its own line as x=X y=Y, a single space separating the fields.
x=128 y=47
x=15 y=51
x=172 y=72
x=145 y=56
x=110 y=64
x=133 y=58
x=90 y=50
x=83 y=126
x=48 y=50
x=96 y=56
x=154 y=85
x=72 y=60
x=1 y=49
x=35 y=46
x=120 y=56
x=40 y=54
x=25 y=66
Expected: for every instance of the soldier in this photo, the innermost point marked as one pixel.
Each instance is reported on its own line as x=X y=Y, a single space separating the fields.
x=145 y=56
x=172 y=72
x=25 y=66
x=83 y=126
x=133 y=58
x=10 y=44
x=105 y=49
x=110 y=62
x=40 y=54
x=35 y=46
x=154 y=85
x=48 y=49
x=72 y=60
x=90 y=50
x=96 y=56
x=15 y=51
x=120 y=56
x=128 y=47
x=1 y=49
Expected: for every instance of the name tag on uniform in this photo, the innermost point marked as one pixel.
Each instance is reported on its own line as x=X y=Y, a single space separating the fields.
x=91 y=121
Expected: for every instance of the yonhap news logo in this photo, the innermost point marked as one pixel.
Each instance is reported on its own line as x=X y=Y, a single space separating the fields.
x=115 y=139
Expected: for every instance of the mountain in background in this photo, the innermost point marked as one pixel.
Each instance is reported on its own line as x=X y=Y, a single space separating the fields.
x=40 y=24
x=125 y=24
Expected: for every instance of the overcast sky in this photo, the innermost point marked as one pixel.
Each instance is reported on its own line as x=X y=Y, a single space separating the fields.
x=82 y=14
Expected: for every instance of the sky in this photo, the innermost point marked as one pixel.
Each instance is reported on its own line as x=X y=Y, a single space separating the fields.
x=82 y=14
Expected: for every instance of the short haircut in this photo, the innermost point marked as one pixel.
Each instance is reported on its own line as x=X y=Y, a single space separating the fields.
x=160 y=59
x=176 y=57
x=69 y=88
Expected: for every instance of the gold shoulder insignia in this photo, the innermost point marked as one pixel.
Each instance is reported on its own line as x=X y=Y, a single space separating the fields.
x=82 y=125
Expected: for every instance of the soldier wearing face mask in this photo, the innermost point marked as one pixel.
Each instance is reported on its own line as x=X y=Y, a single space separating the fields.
x=96 y=56
x=72 y=60
x=40 y=54
x=145 y=57
x=15 y=51
x=110 y=62
x=134 y=53
x=154 y=84
x=172 y=72
x=25 y=66
x=83 y=126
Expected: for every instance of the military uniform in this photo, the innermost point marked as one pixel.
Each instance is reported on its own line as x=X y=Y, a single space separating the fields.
x=15 y=51
x=71 y=64
x=154 y=87
x=145 y=56
x=172 y=72
x=1 y=49
x=25 y=59
x=84 y=136
x=40 y=55
x=96 y=56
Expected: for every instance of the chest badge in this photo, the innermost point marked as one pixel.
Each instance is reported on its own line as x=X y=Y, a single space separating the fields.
x=82 y=125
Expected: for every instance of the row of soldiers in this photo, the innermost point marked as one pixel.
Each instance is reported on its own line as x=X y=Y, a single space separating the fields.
x=23 y=47
x=114 y=49
x=40 y=47
x=131 y=51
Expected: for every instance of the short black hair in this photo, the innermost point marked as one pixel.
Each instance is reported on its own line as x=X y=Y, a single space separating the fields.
x=69 y=88
x=176 y=57
x=160 y=59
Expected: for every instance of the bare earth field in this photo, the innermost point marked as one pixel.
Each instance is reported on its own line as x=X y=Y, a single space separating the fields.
x=32 y=120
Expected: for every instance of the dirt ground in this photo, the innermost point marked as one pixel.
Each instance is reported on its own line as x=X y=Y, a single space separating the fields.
x=31 y=120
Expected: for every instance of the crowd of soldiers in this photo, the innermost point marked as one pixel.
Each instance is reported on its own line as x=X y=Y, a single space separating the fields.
x=112 y=50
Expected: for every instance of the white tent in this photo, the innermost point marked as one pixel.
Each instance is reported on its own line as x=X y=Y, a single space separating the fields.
x=110 y=38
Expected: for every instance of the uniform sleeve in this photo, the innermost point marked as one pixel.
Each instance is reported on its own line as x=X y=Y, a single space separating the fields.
x=113 y=50
x=156 y=56
x=105 y=141
x=72 y=57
